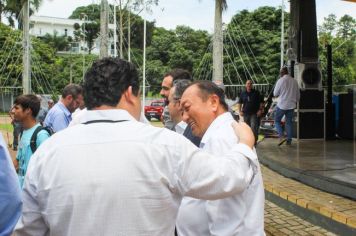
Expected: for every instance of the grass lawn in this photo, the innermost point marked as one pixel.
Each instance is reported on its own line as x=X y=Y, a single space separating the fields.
x=156 y=123
x=6 y=127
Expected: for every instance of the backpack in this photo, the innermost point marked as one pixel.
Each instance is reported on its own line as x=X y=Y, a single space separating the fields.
x=33 y=139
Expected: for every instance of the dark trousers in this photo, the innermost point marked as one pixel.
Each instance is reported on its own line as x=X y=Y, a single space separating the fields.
x=254 y=122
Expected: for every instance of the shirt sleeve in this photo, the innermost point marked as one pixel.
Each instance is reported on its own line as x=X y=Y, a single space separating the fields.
x=41 y=137
x=204 y=176
x=31 y=221
x=10 y=193
x=240 y=100
x=59 y=122
x=277 y=88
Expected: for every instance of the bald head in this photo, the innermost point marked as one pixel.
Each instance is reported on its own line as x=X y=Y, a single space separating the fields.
x=283 y=71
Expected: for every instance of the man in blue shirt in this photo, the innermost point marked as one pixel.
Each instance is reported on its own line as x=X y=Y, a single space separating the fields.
x=10 y=193
x=25 y=110
x=60 y=115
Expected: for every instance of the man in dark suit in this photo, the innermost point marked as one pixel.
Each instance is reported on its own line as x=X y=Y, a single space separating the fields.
x=175 y=111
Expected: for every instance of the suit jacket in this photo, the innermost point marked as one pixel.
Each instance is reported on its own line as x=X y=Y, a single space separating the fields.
x=189 y=135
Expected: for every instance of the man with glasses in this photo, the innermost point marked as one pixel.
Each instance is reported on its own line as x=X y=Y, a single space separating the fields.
x=167 y=83
x=60 y=115
x=175 y=111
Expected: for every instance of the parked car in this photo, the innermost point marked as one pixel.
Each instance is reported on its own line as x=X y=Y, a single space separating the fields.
x=267 y=126
x=155 y=110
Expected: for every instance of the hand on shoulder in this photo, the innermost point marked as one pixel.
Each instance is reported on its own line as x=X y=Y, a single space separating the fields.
x=244 y=133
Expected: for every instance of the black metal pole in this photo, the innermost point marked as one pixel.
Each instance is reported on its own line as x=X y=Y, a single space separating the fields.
x=330 y=116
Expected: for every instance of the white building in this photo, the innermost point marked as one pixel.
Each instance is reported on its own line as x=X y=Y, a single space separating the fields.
x=42 y=25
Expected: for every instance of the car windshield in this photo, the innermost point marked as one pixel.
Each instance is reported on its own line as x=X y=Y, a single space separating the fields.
x=157 y=104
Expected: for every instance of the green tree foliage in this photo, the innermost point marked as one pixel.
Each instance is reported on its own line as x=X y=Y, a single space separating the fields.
x=179 y=48
x=341 y=35
x=59 y=43
x=13 y=8
x=42 y=59
x=93 y=14
x=252 y=41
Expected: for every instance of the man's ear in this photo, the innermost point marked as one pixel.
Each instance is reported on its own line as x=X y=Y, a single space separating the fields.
x=28 y=111
x=214 y=102
x=128 y=95
x=69 y=97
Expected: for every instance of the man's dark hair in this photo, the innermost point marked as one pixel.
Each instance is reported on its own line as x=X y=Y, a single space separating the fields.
x=29 y=101
x=179 y=74
x=208 y=88
x=72 y=89
x=107 y=80
x=180 y=86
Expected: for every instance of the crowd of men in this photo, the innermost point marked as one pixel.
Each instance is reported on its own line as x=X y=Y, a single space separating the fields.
x=112 y=173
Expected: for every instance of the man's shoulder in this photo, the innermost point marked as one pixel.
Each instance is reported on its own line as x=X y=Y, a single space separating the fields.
x=223 y=131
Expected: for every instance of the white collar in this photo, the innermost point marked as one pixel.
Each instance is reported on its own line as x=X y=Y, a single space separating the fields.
x=180 y=127
x=220 y=120
x=110 y=114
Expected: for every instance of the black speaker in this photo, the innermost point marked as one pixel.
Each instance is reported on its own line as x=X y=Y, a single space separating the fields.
x=311 y=99
x=345 y=127
x=311 y=125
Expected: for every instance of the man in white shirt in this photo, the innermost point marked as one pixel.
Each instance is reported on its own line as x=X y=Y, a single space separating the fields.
x=205 y=109
x=287 y=91
x=113 y=175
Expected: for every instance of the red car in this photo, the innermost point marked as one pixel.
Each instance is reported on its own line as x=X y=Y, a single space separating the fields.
x=155 y=110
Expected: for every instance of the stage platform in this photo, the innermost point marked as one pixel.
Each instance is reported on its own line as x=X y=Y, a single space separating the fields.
x=327 y=165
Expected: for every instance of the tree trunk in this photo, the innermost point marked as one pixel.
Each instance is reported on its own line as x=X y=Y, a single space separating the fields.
x=104 y=30
x=218 y=43
x=26 y=74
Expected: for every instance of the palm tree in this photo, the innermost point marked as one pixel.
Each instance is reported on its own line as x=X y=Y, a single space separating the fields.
x=14 y=10
x=220 y=5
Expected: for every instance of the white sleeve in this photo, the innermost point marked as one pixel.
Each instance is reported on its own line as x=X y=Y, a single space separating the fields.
x=204 y=176
x=277 y=89
x=31 y=221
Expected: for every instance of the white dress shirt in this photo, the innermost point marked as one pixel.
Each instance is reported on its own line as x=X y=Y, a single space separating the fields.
x=77 y=116
x=180 y=127
x=287 y=91
x=241 y=214
x=124 y=178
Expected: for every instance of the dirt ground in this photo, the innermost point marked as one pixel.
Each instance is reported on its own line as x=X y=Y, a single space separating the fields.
x=7 y=134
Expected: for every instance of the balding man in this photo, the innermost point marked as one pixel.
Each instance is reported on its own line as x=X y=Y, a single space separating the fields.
x=287 y=91
x=250 y=107
x=205 y=110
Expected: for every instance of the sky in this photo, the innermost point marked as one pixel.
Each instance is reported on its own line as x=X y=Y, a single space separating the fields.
x=198 y=14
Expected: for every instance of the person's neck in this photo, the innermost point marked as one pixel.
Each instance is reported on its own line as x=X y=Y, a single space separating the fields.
x=176 y=122
x=105 y=107
x=219 y=112
x=29 y=123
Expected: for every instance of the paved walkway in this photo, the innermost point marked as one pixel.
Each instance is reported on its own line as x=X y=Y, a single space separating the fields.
x=280 y=222
x=327 y=204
